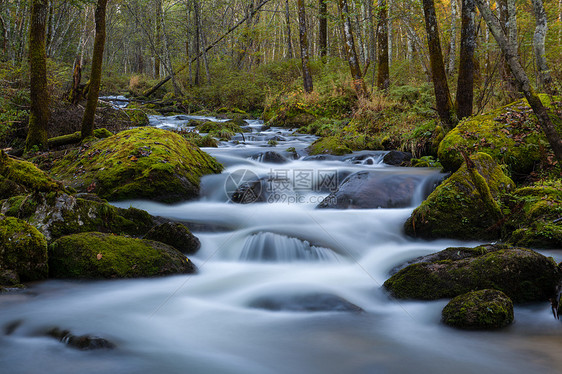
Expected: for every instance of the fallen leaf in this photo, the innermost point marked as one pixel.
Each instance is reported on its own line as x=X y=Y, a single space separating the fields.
x=99 y=256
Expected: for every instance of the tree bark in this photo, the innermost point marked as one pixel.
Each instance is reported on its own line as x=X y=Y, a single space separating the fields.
x=288 y=24
x=545 y=80
x=453 y=41
x=383 y=76
x=465 y=82
x=306 y=76
x=95 y=75
x=322 y=28
x=510 y=52
x=351 y=53
x=509 y=84
x=442 y=95
x=39 y=94
x=196 y=43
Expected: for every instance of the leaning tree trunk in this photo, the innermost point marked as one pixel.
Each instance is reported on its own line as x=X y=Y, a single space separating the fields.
x=350 y=52
x=519 y=74
x=95 y=75
x=383 y=76
x=545 y=80
x=465 y=82
x=442 y=95
x=39 y=114
x=306 y=76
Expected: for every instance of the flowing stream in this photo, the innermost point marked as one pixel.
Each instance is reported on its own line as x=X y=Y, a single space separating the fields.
x=282 y=287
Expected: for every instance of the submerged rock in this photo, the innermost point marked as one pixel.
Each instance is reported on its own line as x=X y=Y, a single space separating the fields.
x=484 y=309
x=82 y=342
x=59 y=214
x=270 y=157
x=143 y=162
x=522 y=274
x=313 y=302
x=98 y=255
x=397 y=158
x=370 y=190
x=23 y=252
x=465 y=206
x=176 y=235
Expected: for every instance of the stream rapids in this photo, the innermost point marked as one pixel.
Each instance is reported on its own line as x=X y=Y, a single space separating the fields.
x=282 y=287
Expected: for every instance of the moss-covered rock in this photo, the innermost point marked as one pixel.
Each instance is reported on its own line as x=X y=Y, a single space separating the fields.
x=465 y=205
x=478 y=310
x=522 y=274
x=23 y=250
x=176 y=235
x=332 y=145
x=98 y=255
x=137 y=116
x=21 y=177
x=143 y=162
x=217 y=127
x=536 y=216
x=59 y=214
x=511 y=135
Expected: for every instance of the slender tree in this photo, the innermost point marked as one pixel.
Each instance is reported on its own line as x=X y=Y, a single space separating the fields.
x=465 y=82
x=509 y=50
x=351 y=54
x=442 y=96
x=322 y=27
x=39 y=114
x=306 y=76
x=95 y=75
x=288 y=25
x=545 y=80
x=383 y=76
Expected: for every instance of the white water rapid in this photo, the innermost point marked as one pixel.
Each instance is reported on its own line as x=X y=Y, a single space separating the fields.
x=282 y=287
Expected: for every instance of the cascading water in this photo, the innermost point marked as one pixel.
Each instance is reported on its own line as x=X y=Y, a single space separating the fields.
x=282 y=287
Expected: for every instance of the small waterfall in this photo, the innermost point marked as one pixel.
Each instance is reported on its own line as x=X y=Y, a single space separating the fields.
x=270 y=247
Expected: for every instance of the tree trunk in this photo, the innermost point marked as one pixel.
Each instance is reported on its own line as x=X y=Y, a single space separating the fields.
x=306 y=76
x=383 y=76
x=288 y=24
x=196 y=45
x=442 y=95
x=509 y=84
x=350 y=52
x=322 y=28
x=158 y=37
x=39 y=94
x=510 y=52
x=453 y=42
x=95 y=75
x=545 y=80
x=465 y=82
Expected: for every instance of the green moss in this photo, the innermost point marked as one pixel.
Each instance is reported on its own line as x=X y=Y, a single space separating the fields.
x=459 y=208
x=97 y=255
x=139 y=163
x=511 y=135
x=216 y=127
x=524 y=275
x=17 y=177
x=23 y=249
x=484 y=309
x=329 y=145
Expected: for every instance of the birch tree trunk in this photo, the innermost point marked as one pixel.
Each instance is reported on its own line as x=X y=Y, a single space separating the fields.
x=510 y=51
x=306 y=76
x=39 y=114
x=453 y=41
x=545 y=80
x=439 y=78
x=350 y=52
x=383 y=76
x=465 y=82
x=95 y=75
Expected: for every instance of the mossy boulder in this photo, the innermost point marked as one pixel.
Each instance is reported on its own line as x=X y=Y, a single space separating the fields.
x=479 y=310
x=59 y=214
x=99 y=255
x=511 y=135
x=536 y=216
x=137 y=117
x=217 y=127
x=332 y=145
x=465 y=206
x=23 y=251
x=290 y=115
x=144 y=162
x=176 y=235
x=522 y=274
x=20 y=177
